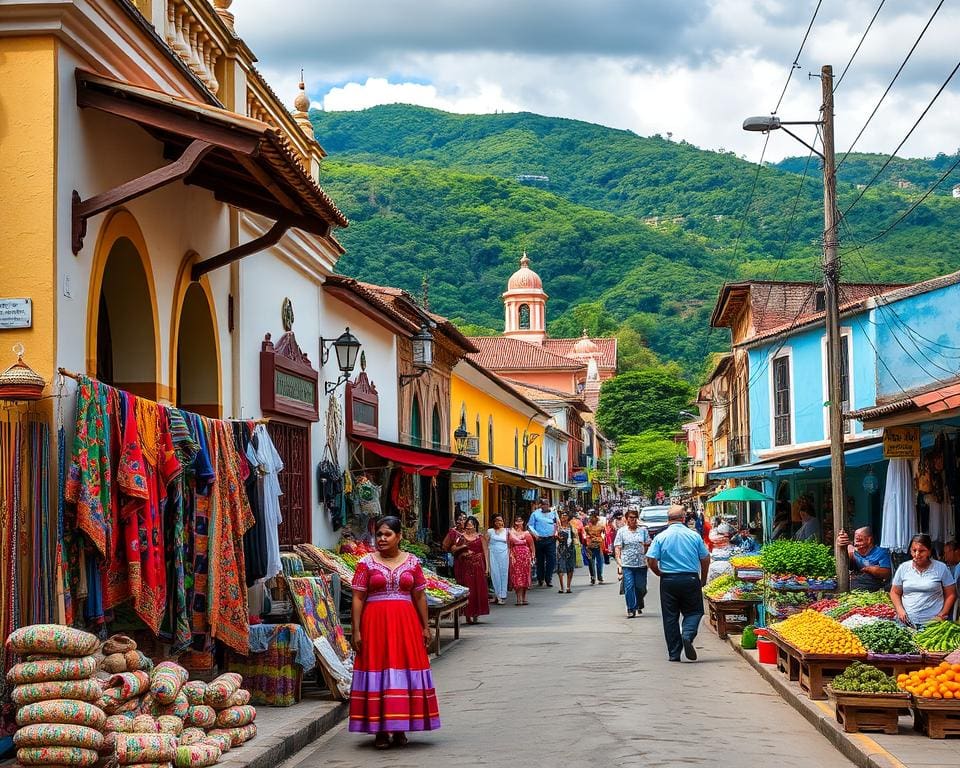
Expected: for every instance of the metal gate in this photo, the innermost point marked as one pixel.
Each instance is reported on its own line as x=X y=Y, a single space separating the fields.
x=293 y=445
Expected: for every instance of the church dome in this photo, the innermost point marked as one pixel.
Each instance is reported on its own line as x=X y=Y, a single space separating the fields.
x=585 y=346
x=524 y=278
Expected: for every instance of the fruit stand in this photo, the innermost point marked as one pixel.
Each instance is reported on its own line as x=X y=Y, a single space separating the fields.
x=868 y=700
x=733 y=599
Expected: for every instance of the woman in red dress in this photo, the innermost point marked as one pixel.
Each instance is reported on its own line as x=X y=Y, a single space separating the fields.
x=393 y=688
x=471 y=568
x=520 y=543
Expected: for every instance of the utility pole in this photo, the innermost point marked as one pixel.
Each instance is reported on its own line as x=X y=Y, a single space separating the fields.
x=831 y=280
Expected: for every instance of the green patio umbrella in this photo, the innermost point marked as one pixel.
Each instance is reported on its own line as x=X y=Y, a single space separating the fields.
x=740 y=493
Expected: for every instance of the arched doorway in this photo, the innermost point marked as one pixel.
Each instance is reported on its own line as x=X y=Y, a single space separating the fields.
x=126 y=341
x=198 y=384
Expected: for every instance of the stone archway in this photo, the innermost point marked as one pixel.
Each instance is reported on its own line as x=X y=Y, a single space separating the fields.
x=125 y=322
x=197 y=355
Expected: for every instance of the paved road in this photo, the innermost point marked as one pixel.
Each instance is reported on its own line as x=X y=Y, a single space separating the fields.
x=570 y=682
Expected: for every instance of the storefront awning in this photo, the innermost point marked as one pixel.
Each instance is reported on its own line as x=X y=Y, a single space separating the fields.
x=410 y=460
x=243 y=161
x=507 y=476
x=859 y=457
x=550 y=485
x=743 y=471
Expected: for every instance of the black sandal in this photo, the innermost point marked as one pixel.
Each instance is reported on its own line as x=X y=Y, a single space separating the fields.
x=399 y=739
x=381 y=741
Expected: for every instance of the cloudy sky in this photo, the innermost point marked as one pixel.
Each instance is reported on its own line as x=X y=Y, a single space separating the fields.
x=692 y=68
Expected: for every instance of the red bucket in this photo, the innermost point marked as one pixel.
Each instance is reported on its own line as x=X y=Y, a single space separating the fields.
x=766 y=651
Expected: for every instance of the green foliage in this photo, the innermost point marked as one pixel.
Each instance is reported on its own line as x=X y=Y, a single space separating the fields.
x=648 y=460
x=642 y=401
x=632 y=235
x=801 y=558
x=472 y=329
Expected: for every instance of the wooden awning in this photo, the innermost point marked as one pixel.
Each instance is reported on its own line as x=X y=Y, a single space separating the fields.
x=244 y=162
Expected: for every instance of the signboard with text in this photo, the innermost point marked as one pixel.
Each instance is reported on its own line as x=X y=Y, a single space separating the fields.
x=288 y=383
x=16 y=313
x=901 y=442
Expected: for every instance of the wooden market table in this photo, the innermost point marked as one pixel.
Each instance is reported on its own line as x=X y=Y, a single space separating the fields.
x=857 y=711
x=721 y=612
x=936 y=718
x=811 y=670
x=437 y=613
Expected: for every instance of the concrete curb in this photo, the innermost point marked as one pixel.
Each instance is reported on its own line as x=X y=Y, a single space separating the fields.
x=859 y=748
x=285 y=741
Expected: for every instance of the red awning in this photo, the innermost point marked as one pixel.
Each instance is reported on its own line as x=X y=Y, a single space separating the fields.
x=410 y=460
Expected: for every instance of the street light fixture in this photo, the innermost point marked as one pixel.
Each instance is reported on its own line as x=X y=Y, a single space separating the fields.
x=460 y=436
x=422 y=354
x=347 y=347
x=831 y=280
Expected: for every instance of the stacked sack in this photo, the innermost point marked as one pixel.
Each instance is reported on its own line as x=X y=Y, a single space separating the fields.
x=223 y=709
x=59 y=722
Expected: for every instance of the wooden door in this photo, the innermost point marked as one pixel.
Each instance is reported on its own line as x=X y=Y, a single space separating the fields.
x=293 y=445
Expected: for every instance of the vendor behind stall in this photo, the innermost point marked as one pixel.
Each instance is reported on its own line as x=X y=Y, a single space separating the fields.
x=870 y=565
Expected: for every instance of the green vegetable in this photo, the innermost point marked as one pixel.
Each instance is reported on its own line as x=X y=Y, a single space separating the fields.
x=801 y=558
x=886 y=637
x=940 y=636
x=865 y=679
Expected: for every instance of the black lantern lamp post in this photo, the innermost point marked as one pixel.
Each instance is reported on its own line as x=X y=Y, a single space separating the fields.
x=460 y=436
x=422 y=354
x=347 y=347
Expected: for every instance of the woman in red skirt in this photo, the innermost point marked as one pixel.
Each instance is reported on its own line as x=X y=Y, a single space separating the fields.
x=471 y=567
x=392 y=685
x=520 y=543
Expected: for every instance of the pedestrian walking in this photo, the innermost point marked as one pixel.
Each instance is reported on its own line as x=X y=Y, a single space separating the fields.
x=595 y=533
x=471 y=567
x=453 y=535
x=542 y=525
x=566 y=536
x=680 y=558
x=393 y=689
x=629 y=547
x=520 y=543
x=499 y=558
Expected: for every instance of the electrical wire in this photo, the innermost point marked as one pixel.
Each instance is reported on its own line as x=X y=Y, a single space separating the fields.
x=857 y=49
x=796 y=59
x=890 y=85
x=903 y=141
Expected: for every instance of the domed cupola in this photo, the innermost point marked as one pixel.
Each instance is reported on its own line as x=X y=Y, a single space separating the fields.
x=525 y=305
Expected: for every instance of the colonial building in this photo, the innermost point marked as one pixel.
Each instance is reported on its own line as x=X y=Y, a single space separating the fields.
x=526 y=353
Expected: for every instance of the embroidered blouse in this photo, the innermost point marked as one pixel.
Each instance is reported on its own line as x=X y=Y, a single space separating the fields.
x=380 y=582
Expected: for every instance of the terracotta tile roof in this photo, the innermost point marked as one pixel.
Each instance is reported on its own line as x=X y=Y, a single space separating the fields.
x=606 y=346
x=371 y=297
x=544 y=394
x=501 y=353
x=933 y=398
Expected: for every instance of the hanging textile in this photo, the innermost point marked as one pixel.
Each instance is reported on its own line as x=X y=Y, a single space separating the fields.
x=176 y=628
x=11 y=483
x=255 y=539
x=899 y=510
x=263 y=455
x=230 y=518
x=43 y=577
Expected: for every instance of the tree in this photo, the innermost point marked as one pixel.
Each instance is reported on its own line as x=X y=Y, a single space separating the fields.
x=640 y=401
x=649 y=460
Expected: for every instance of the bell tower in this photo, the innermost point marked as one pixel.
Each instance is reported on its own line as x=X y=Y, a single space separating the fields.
x=525 y=305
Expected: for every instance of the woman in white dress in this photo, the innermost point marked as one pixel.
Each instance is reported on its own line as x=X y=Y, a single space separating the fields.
x=499 y=558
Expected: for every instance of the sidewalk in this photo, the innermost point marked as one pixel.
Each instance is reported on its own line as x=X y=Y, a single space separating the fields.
x=284 y=731
x=906 y=749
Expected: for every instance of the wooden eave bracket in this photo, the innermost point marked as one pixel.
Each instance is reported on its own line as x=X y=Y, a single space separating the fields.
x=178 y=169
x=270 y=237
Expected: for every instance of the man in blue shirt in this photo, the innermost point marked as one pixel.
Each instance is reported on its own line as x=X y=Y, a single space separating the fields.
x=543 y=527
x=681 y=560
x=870 y=565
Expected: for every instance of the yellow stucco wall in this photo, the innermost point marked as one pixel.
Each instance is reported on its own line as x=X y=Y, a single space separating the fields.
x=507 y=422
x=28 y=157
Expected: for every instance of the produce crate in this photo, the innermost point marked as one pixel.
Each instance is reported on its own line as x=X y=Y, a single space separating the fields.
x=748 y=574
x=935 y=657
x=858 y=711
x=725 y=615
x=788 y=658
x=811 y=670
x=936 y=718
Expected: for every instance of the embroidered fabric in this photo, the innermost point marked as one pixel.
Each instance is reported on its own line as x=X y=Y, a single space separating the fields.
x=383 y=583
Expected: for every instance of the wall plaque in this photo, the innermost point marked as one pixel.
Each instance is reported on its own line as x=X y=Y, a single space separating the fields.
x=288 y=383
x=16 y=313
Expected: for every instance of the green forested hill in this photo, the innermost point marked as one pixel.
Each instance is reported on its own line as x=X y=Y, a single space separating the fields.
x=631 y=234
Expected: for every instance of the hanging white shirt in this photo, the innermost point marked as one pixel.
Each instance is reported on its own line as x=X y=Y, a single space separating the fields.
x=262 y=453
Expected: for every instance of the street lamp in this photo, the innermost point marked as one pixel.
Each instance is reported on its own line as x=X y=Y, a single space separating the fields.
x=460 y=436
x=831 y=279
x=347 y=347
x=422 y=354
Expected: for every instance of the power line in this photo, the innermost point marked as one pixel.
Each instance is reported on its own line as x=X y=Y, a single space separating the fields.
x=903 y=141
x=883 y=233
x=895 y=76
x=857 y=49
x=796 y=59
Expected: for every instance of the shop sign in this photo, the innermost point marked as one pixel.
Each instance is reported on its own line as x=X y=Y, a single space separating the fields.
x=901 y=442
x=362 y=406
x=461 y=481
x=16 y=313
x=288 y=383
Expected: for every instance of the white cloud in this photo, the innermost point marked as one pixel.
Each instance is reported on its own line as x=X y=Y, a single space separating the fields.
x=694 y=68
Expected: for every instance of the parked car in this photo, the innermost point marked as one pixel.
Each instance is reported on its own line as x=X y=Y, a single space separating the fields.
x=654 y=518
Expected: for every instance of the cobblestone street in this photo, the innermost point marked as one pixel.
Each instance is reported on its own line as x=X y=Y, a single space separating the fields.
x=570 y=681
